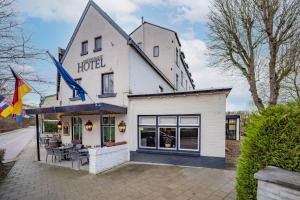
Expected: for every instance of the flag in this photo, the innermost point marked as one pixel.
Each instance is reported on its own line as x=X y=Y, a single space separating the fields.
x=20 y=90
x=68 y=79
x=5 y=107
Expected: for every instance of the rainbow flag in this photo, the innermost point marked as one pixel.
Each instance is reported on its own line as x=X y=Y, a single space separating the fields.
x=20 y=90
x=5 y=107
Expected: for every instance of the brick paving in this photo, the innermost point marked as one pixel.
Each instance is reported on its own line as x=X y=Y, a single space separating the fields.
x=29 y=179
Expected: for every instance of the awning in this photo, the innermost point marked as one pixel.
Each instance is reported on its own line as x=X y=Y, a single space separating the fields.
x=103 y=108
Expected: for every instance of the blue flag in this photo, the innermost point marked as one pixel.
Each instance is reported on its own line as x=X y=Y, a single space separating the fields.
x=68 y=79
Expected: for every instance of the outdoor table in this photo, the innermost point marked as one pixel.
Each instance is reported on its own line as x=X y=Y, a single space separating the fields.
x=65 y=149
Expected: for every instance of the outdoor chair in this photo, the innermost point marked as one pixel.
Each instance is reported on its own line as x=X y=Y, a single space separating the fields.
x=50 y=152
x=78 y=146
x=59 y=154
x=78 y=157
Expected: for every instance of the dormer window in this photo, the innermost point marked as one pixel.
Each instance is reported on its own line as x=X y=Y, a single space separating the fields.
x=98 y=44
x=177 y=56
x=84 y=48
x=155 y=51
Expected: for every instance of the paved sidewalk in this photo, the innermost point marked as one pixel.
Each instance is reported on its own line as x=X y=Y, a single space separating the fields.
x=33 y=180
x=15 y=141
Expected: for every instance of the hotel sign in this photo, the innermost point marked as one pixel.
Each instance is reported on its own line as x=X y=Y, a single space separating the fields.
x=91 y=63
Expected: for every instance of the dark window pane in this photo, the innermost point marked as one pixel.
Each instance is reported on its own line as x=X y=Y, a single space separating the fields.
x=147 y=137
x=167 y=137
x=84 y=47
x=98 y=43
x=155 y=51
x=231 y=129
x=106 y=120
x=107 y=83
x=189 y=138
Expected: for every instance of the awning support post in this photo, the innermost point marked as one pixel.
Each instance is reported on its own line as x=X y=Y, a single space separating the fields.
x=37 y=137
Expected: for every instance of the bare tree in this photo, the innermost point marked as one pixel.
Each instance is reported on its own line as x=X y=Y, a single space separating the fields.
x=255 y=37
x=15 y=49
x=291 y=84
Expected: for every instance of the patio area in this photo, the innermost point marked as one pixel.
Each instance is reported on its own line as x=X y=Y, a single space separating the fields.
x=29 y=179
x=77 y=165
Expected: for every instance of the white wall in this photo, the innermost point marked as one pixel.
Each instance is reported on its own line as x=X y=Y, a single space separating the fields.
x=142 y=77
x=115 y=57
x=151 y=36
x=210 y=106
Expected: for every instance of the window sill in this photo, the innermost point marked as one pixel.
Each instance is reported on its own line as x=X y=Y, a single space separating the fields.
x=74 y=98
x=107 y=95
x=96 y=50
x=83 y=54
x=168 y=152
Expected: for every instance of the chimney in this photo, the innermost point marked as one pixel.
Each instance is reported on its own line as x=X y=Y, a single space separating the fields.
x=142 y=19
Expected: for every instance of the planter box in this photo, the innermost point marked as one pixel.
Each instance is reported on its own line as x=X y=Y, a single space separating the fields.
x=102 y=159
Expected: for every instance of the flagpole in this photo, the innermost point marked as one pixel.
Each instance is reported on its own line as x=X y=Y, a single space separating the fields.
x=36 y=91
x=27 y=83
x=61 y=63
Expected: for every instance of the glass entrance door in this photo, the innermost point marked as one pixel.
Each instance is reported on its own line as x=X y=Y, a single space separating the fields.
x=77 y=129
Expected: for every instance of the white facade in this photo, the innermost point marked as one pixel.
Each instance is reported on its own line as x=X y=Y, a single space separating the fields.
x=170 y=58
x=142 y=84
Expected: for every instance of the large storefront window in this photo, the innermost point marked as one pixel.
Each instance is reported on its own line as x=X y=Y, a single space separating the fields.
x=231 y=129
x=108 y=127
x=77 y=128
x=147 y=131
x=189 y=138
x=176 y=133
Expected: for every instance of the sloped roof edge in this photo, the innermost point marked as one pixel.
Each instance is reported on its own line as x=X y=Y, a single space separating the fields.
x=121 y=31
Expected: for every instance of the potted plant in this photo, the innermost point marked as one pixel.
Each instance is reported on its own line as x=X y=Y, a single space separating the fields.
x=168 y=142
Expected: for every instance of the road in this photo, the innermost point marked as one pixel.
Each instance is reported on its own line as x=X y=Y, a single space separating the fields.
x=15 y=141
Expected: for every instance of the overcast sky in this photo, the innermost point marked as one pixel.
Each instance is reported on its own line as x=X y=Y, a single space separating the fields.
x=52 y=22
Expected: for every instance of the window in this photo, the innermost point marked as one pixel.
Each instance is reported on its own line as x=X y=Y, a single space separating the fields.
x=176 y=81
x=107 y=83
x=155 y=51
x=98 y=43
x=177 y=56
x=186 y=85
x=140 y=44
x=167 y=135
x=108 y=128
x=189 y=133
x=231 y=129
x=189 y=138
x=77 y=128
x=161 y=89
x=176 y=133
x=147 y=131
x=181 y=78
x=84 y=48
x=75 y=94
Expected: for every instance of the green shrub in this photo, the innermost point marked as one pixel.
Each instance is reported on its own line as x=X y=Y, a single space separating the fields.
x=272 y=138
x=50 y=127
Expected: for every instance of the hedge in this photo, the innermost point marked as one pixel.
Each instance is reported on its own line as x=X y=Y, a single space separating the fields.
x=50 y=127
x=272 y=138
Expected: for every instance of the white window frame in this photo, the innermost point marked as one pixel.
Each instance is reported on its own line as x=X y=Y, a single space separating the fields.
x=198 y=146
x=186 y=125
x=167 y=124
x=164 y=148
